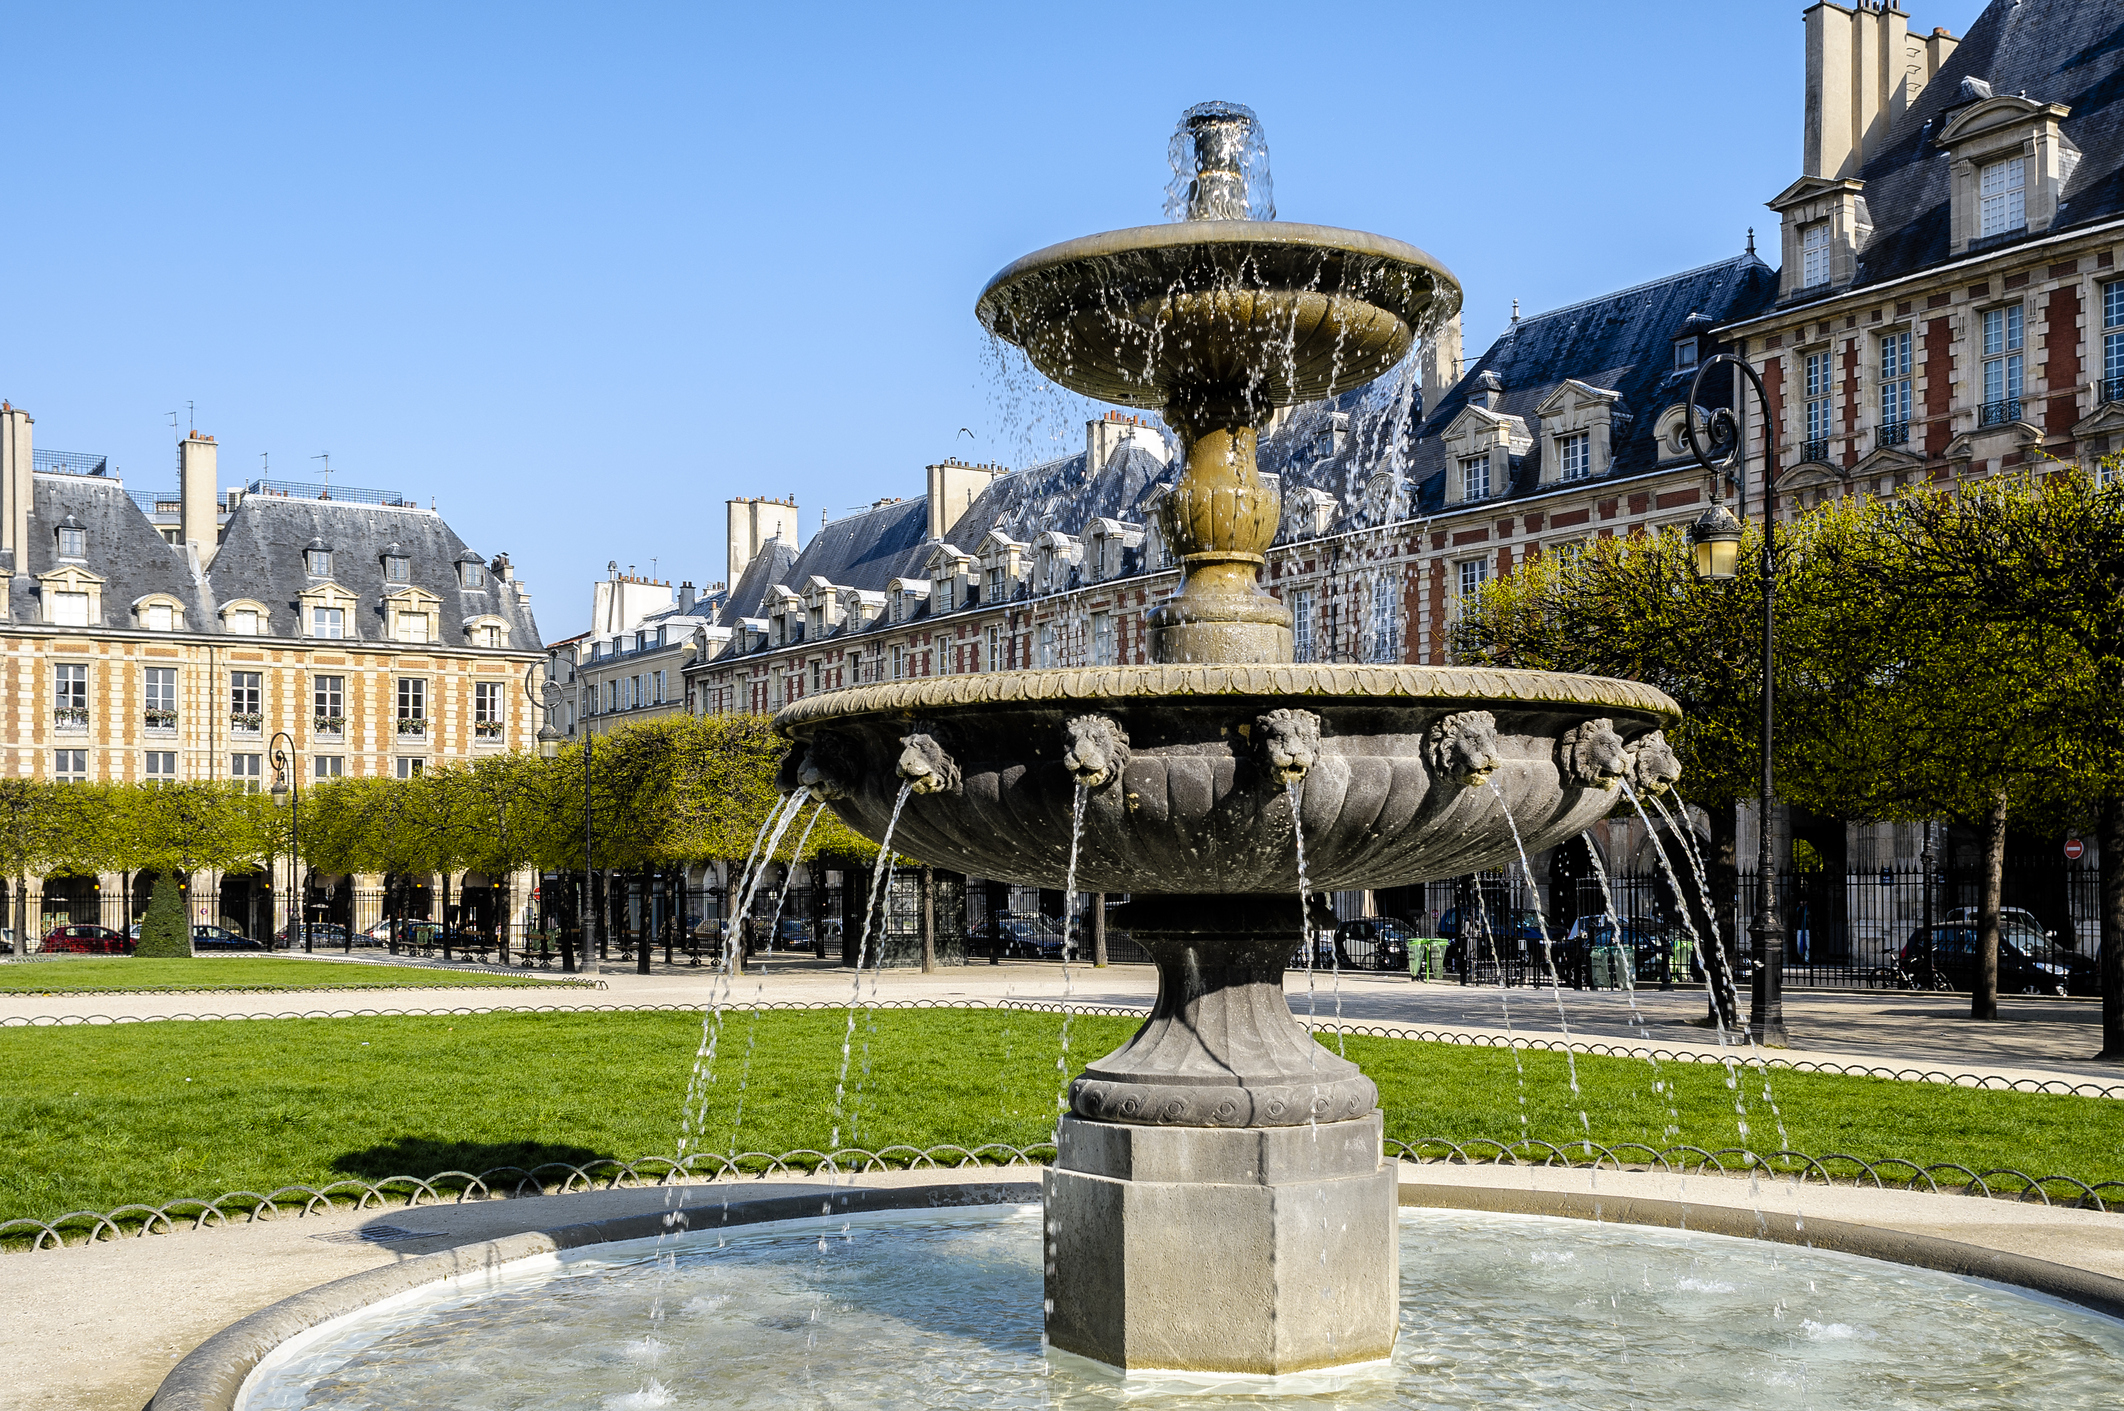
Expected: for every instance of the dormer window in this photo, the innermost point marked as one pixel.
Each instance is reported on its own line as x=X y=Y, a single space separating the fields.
x=397 y=569
x=1475 y=478
x=243 y=622
x=317 y=562
x=73 y=541
x=2002 y=198
x=471 y=575
x=1684 y=354
x=1814 y=255
x=1574 y=455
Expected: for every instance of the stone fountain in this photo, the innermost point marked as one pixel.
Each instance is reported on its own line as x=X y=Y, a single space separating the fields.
x=1218 y=1200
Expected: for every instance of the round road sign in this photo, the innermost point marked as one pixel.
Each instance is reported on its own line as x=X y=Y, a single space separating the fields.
x=2074 y=849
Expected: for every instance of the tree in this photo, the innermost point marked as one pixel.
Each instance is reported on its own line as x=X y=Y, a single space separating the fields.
x=163 y=930
x=33 y=826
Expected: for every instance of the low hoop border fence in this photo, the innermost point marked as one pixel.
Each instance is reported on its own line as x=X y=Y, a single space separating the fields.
x=564 y=1178
x=1599 y=1048
x=525 y=984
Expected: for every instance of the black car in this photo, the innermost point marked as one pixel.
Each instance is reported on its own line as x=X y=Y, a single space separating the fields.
x=206 y=937
x=1008 y=936
x=1947 y=959
x=1374 y=943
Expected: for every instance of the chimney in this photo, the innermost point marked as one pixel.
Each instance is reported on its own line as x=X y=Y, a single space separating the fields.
x=198 y=466
x=953 y=487
x=1441 y=364
x=1864 y=70
x=17 y=484
x=752 y=522
x=1486 y=390
x=686 y=596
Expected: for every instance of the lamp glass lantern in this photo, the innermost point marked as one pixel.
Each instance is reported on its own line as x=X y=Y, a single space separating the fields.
x=549 y=742
x=1715 y=541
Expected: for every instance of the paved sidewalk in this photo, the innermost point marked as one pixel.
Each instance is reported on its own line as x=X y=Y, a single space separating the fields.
x=2035 y=1038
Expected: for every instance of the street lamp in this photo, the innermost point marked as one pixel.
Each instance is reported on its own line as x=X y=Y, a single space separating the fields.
x=1715 y=539
x=549 y=699
x=287 y=792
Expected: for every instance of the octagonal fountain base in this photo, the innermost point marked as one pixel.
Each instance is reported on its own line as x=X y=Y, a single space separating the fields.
x=1249 y=1249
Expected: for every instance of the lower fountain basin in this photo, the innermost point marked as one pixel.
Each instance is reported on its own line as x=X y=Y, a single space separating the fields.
x=1407 y=770
x=943 y=1309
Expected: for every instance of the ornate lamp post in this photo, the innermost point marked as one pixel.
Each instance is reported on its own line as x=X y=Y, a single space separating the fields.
x=287 y=790
x=1715 y=538
x=548 y=700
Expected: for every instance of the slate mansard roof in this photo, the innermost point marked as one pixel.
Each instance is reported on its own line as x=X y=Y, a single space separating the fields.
x=2054 y=51
x=261 y=558
x=1621 y=342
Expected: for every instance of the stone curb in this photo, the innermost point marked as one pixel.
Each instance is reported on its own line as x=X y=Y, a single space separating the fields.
x=2099 y=1292
x=212 y=1375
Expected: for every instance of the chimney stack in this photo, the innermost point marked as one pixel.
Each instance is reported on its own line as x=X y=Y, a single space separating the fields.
x=198 y=516
x=953 y=487
x=752 y=523
x=17 y=485
x=1441 y=365
x=1864 y=69
x=686 y=596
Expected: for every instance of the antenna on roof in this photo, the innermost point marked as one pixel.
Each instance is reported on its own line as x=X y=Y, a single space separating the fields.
x=326 y=457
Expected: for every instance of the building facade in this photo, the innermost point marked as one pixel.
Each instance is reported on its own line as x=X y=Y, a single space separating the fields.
x=354 y=622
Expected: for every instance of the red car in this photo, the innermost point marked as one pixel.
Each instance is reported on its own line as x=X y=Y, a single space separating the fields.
x=88 y=940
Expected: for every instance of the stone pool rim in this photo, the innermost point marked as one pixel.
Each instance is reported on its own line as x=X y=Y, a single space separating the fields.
x=212 y=1376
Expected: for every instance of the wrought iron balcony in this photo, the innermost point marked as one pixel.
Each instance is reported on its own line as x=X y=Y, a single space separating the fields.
x=2000 y=413
x=2113 y=389
x=1815 y=450
x=1893 y=433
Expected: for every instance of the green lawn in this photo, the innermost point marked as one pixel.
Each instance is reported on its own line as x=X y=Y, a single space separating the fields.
x=92 y=1118
x=236 y=972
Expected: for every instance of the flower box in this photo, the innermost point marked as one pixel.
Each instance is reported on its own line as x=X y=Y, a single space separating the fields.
x=329 y=724
x=70 y=718
x=408 y=726
x=158 y=718
x=247 y=721
x=487 y=729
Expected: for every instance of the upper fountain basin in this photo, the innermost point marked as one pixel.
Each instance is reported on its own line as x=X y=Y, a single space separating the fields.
x=1186 y=769
x=1273 y=312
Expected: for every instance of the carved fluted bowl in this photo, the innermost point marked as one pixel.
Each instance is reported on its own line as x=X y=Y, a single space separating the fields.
x=1288 y=312
x=1193 y=776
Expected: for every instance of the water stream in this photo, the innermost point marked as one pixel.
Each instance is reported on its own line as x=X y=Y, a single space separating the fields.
x=1069 y=986
x=1548 y=956
x=1660 y=1086
x=759 y=986
x=878 y=873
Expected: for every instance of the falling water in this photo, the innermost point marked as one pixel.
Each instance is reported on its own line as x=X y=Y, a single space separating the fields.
x=855 y=997
x=759 y=988
x=1659 y=851
x=1504 y=993
x=693 y=1116
x=1069 y=902
x=1548 y=956
x=1703 y=891
x=1305 y=925
x=1660 y=1085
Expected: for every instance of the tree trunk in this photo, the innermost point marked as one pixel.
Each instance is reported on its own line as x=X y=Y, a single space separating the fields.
x=1984 y=993
x=2111 y=842
x=1098 y=910
x=929 y=921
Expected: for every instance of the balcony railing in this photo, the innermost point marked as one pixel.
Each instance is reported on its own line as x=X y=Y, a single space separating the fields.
x=159 y=721
x=1893 y=433
x=2113 y=389
x=1816 y=450
x=70 y=720
x=2000 y=413
x=308 y=490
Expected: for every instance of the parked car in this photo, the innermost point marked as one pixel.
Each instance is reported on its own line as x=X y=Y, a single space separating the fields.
x=1007 y=935
x=1947 y=959
x=1363 y=943
x=88 y=940
x=792 y=933
x=321 y=933
x=222 y=938
x=7 y=940
x=2016 y=925
x=1517 y=924
x=1646 y=939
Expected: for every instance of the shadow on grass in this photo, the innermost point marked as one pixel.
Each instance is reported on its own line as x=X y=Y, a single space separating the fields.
x=429 y=1156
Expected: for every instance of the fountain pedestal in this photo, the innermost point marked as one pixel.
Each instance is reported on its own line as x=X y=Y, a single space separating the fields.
x=1218 y=1201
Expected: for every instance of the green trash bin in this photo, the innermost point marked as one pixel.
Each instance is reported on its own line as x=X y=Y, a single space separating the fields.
x=1427 y=959
x=1608 y=963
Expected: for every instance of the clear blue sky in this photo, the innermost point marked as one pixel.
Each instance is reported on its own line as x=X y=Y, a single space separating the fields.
x=581 y=273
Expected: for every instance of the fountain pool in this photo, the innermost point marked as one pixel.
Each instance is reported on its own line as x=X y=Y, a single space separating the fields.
x=943 y=1309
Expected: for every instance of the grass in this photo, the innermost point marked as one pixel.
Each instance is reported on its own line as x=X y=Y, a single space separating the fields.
x=92 y=1118
x=134 y=974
